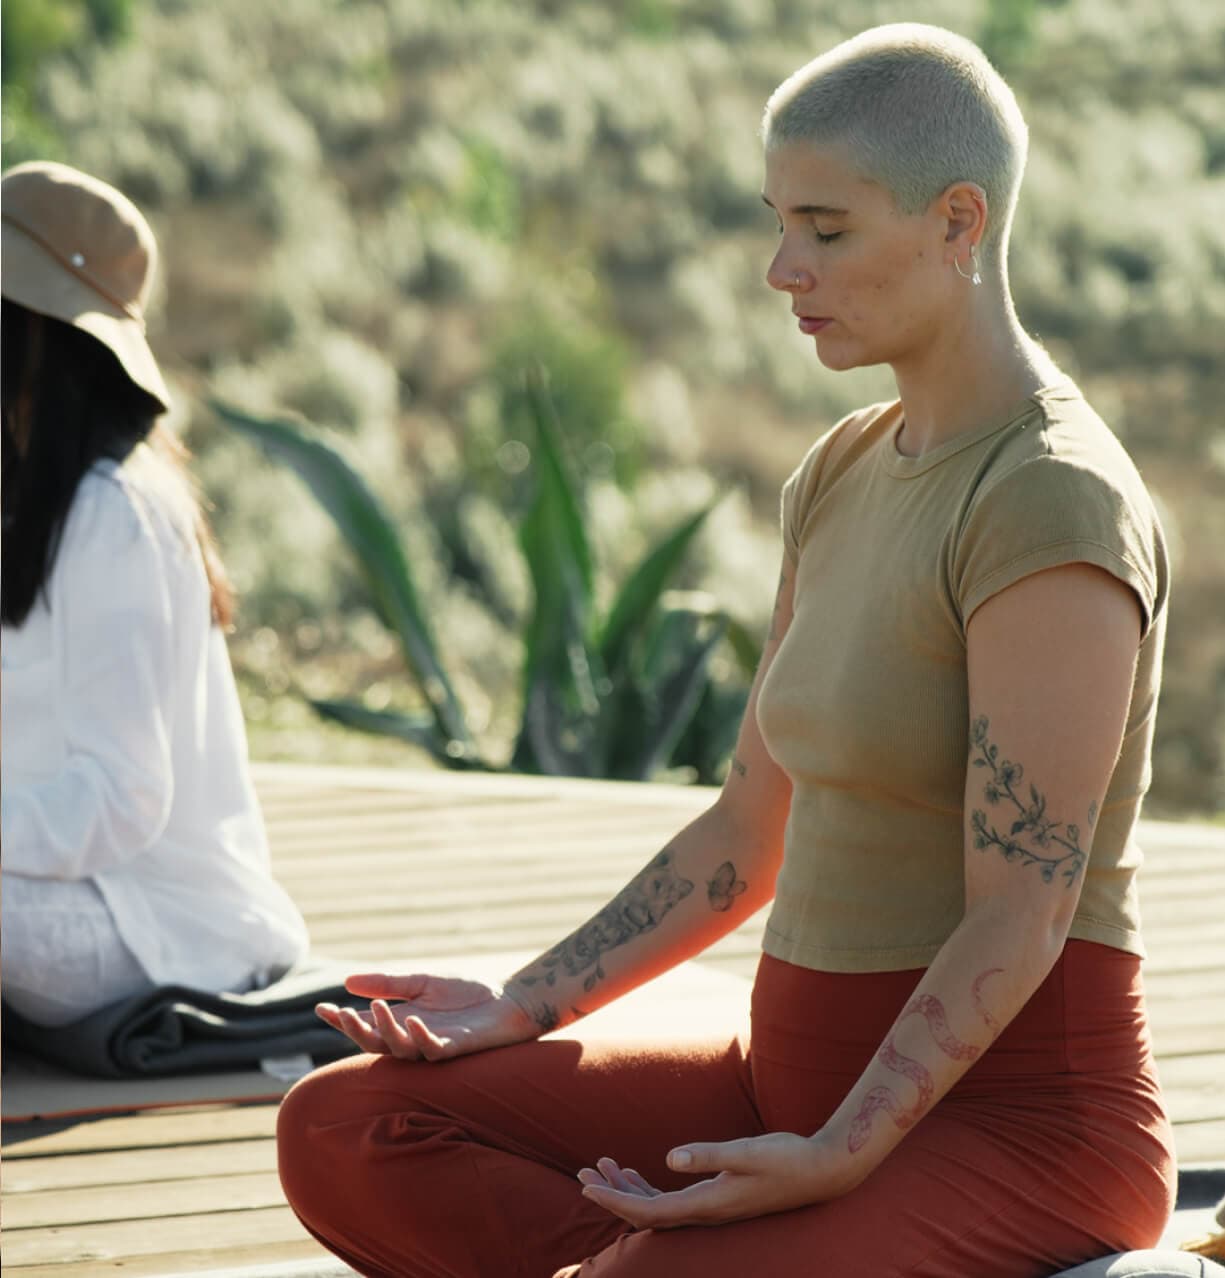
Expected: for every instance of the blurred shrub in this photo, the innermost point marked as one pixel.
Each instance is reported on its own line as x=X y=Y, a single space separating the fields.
x=609 y=695
x=586 y=371
x=32 y=31
x=460 y=185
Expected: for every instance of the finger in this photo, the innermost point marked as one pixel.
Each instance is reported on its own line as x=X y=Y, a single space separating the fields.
x=641 y=1182
x=626 y=1206
x=705 y=1203
x=384 y=985
x=364 y=1035
x=398 y=1042
x=425 y=1040
x=659 y=1211
x=708 y=1156
x=615 y=1176
x=625 y=1179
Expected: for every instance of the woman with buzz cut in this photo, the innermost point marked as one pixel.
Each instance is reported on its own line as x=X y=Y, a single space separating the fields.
x=937 y=783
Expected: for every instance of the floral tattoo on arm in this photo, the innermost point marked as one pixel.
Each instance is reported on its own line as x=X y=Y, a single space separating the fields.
x=1031 y=821
x=639 y=907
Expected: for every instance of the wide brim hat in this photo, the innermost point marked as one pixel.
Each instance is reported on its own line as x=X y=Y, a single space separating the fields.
x=80 y=251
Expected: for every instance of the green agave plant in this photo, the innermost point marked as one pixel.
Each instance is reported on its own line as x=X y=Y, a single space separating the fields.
x=621 y=695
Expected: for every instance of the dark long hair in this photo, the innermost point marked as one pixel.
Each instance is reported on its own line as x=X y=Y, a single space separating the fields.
x=67 y=403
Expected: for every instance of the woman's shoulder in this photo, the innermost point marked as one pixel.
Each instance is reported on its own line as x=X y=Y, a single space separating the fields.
x=843 y=440
x=837 y=449
x=1059 y=487
x=1070 y=451
x=105 y=511
x=828 y=457
x=120 y=512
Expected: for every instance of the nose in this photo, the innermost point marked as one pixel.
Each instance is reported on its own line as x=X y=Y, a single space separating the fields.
x=786 y=277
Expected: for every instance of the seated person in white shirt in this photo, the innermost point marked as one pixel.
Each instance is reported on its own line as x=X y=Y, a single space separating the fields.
x=134 y=852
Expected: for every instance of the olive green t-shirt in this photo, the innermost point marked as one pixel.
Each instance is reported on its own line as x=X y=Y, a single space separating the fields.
x=866 y=705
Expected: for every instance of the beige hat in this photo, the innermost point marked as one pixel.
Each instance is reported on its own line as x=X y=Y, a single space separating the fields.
x=80 y=251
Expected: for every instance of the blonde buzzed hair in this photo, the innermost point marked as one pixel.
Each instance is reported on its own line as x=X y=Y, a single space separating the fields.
x=918 y=108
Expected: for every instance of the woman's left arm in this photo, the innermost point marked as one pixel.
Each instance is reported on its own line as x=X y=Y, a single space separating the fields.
x=116 y=616
x=1050 y=662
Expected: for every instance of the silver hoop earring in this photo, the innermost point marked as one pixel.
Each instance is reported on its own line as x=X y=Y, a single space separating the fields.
x=974 y=277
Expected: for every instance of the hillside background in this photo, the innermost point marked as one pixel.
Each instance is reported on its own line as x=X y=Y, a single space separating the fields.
x=376 y=214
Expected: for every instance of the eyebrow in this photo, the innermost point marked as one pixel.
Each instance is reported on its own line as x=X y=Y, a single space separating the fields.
x=809 y=210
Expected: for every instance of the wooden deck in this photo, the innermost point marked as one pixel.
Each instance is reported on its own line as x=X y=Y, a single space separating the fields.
x=408 y=865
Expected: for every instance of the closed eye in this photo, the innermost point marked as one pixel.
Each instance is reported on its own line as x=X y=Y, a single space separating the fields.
x=827 y=239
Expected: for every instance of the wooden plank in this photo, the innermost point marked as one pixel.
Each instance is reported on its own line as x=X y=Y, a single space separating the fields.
x=293 y=804
x=1188 y=1012
x=193 y=1126
x=1167 y=900
x=131 y=1166
x=143 y=1200
x=1193 y=909
x=551 y=896
x=1198 y=1073
x=1182 y=834
x=345 y=935
x=496 y=840
x=666 y=804
x=377 y=861
x=448 y=883
x=467 y=786
x=225 y=1255
x=1200 y=1142
x=112 y=1240
x=1188 y=1041
x=1195 y=959
x=1171 y=987
x=615 y=860
x=415 y=898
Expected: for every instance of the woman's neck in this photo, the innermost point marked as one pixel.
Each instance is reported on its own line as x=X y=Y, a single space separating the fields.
x=984 y=364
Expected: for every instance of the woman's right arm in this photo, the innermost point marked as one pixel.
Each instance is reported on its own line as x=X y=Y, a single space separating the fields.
x=713 y=875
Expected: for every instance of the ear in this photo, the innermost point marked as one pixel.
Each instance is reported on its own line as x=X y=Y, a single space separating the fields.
x=963 y=206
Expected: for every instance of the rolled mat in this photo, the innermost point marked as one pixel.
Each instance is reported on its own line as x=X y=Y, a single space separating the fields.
x=174 y=1029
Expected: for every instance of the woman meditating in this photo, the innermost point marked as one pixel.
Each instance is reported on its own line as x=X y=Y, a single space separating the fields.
x=134 y=849
x=937 y=782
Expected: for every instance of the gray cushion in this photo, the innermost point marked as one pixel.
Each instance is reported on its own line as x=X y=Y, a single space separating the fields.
x=1147 y=1264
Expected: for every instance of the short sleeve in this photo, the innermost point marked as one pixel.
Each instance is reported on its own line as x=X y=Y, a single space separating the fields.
x=804 y=485
x=796 y=497
x=1050 y=511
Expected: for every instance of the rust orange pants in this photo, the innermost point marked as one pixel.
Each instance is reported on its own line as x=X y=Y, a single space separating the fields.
x=1051 y=1150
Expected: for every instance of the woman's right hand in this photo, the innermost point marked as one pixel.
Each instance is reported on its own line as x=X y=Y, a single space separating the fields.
x=439 y=1016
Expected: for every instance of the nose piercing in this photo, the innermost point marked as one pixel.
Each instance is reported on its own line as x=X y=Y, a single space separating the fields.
x=795 y=279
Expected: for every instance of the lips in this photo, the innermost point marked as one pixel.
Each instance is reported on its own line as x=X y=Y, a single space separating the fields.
x=810 y=324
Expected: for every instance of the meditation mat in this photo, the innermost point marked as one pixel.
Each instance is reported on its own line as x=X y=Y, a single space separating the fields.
x=174 y=1047
x=35 y=1088
x=174 y=1029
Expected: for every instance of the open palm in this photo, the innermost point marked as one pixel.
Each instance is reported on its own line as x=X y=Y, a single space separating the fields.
x=433 y=1017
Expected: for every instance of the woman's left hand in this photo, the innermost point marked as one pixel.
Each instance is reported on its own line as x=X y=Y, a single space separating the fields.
x=754 y=1177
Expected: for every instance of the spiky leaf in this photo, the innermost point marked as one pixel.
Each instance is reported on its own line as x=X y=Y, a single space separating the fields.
x=373 y=539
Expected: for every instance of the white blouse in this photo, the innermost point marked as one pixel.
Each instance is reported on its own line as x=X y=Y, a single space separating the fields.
x=125 y=756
